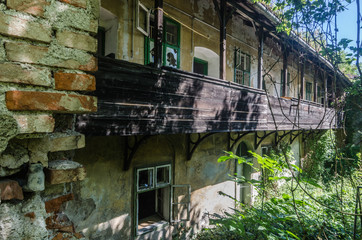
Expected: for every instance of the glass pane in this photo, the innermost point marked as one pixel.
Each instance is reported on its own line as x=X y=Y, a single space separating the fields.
x=247 y=65
x=152 y=52
x=145 y=179
x=171 y=57
x=163 y=175
x=171 y=33
x=238 y=76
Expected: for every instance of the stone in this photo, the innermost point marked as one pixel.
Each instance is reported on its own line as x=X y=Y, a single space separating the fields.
x=15 y=225
x=55 y=204
x=77 y=40
x=77 y=3
x=4 y=172
x=63 y=16
x=39 y=123
x=8 y=130
x=31 y=75
x=24 y=28
x=10 y=189
x=54 y=55
x=14 y=156
x=50 y=101
x=2 y=51
x=65 y=142
x=34 y=7
x=74 y=81
x=36 y=178
x=63 y=171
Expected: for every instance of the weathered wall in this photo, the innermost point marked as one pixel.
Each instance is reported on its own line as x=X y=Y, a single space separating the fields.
x=46 y=57
x=103 y=204
x=202 y=18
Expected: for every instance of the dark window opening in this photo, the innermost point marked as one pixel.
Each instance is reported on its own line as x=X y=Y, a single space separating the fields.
x=200 y=66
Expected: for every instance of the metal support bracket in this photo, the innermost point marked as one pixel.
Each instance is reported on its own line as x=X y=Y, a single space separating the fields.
x=131 y=149
x=294 y=136
x=233 y=141
x=258 y=140
x=192 y=145
x=279 y=138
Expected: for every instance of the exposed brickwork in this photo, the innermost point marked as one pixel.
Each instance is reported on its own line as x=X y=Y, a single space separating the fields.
x=54 y=205
x=59 y=221
x=10 y=189
x=34 y=7
x=40 y=123
x=17 y=74
x=30 y=215
x=55 y=176
x=75 y=82
x=77 y=3
x=77 y=40
x=18 y=27
x=49 y=101
x=65 y=143
x=27 y=53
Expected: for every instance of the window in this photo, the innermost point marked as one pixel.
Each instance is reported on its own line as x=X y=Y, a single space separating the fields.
x=170 y=44
x=142 y=18
x=266 y=150
x=244 y=170
x=242 y=68
x=308 y=91
x=320 y=95
x=157 y=201
x=200 y=66
x=282 y=84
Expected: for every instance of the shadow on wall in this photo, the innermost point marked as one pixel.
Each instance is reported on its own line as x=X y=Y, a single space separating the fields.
x=135 y=99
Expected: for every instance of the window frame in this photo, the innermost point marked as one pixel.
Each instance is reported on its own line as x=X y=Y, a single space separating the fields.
x=203 y=62
x=165 y=45
x=245 y=70
x=308 y=91
x=167 y=217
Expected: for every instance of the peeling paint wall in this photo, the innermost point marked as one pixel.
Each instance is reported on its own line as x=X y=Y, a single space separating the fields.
x=103 y=206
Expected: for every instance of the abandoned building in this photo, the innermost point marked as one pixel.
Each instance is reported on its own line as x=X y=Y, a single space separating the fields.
x=114 y=112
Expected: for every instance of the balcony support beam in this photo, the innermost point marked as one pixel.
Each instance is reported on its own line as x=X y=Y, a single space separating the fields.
x=260 y=57
x=158 y=33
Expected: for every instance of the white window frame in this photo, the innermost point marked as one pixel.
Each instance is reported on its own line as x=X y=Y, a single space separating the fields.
x=141 y=7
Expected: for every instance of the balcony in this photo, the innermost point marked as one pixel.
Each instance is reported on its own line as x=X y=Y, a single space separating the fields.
x=135 y=99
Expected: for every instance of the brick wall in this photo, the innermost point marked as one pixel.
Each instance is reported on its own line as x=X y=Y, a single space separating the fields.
x=47 y=59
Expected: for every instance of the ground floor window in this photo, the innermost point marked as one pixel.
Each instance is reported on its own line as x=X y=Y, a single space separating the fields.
x=308 y=91
x=157 y=201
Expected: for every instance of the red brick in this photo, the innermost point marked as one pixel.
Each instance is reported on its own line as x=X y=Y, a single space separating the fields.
x=57 y=176
x=58 y=221
x=75 y=82
x=34 y=7
x=50 y=101
x=77 y=40
x=77 y=3
x=17 y=74
x=78 y=235
x=24 y=28
x=55 y=204
x=30 y=215
x=10 y=189
x=59 y=236
x=27 y=53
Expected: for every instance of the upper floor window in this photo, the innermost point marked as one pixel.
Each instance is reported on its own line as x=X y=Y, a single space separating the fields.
x=170 y=43
x=308 y=91
x=282 y=82
x=242 y=68
x=200 y=66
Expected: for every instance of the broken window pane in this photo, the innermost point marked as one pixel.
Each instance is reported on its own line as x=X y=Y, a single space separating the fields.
x=145 y=178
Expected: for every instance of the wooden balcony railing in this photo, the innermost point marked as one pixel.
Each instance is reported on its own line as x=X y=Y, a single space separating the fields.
x=135 y=99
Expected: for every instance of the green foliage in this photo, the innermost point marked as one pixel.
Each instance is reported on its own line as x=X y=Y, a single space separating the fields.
x=290 y=213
